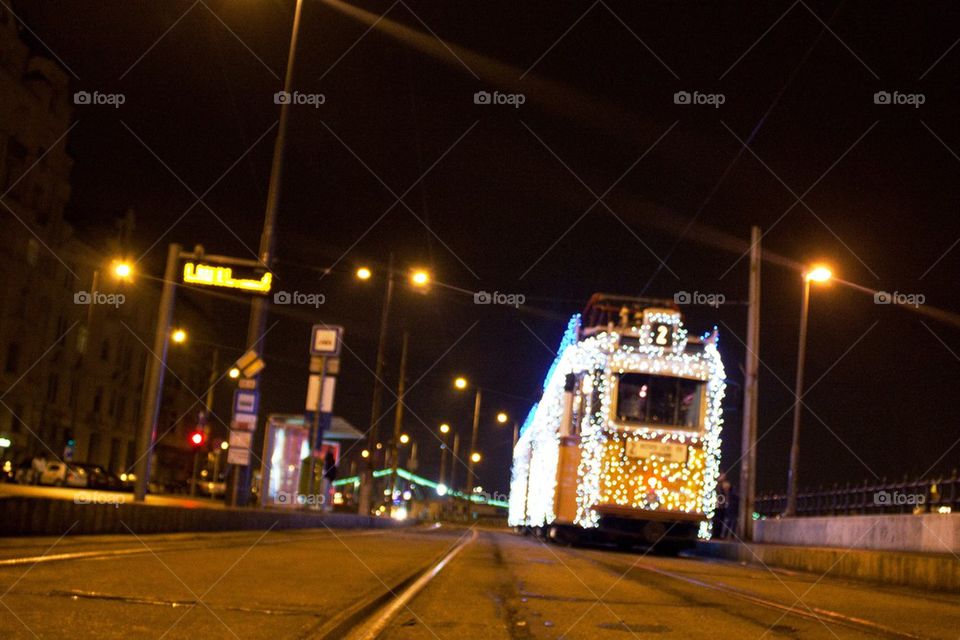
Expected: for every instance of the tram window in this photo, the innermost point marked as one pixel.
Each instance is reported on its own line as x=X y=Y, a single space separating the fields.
x=659 y=400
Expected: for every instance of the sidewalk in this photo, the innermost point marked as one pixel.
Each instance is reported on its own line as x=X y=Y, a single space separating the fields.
x=912 y=569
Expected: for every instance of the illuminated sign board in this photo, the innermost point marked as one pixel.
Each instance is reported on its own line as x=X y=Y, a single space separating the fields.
x=214 y=276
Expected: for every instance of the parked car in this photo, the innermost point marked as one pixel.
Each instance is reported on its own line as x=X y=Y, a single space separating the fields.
x=100 y=478
x=61 y=474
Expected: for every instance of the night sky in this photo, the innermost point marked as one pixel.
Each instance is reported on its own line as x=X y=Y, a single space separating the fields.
x=505 y=198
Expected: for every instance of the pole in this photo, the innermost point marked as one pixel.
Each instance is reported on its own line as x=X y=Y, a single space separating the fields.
x=798 y=393
x=748 y=450
x=443 y=460
x=398 y=420
x=473 y=443
x=193 y=476
x=366 y=483
x=314 y=434
x=260 y=305
x=453 y=461
x=516 y=436
x=154 y=386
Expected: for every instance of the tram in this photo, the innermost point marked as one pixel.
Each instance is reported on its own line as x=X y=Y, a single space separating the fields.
x=624 y=444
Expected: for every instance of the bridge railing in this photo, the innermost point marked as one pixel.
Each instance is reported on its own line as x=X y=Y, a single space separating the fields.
x=921 y=495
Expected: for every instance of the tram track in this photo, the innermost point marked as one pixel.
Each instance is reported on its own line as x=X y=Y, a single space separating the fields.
x=824 y=616
x=170 y=546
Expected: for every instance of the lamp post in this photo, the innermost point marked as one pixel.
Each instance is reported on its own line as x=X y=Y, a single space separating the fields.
x=504 y=418
x=444 y=431
x=260 y=305
x=461 y=384
x=419 y=278
x=818 y=273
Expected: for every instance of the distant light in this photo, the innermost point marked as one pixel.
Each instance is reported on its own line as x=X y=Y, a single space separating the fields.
x=204 y=473
x=407 y=495
x=399 y=514
x=444 y=428
x=478 y=489
x=819 y=273
x=379 y=445
x=197 y=438
x=123 y=477
x=420 y=278
x=404 y=439
x=441 y=489
x=122 y=270
x=944 y=509
x=460 y=383
x=179 y=336
x=502 y=417
x=234 y=373
x=224 y=445
x=7 y=465
x=475 y=457
x=365 y=454
x=364 y=273
x=4 y=443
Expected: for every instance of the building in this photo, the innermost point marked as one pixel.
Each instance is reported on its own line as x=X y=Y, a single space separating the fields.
x=74 y=340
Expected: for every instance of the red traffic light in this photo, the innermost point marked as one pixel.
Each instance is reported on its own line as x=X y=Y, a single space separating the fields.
x=197 y=438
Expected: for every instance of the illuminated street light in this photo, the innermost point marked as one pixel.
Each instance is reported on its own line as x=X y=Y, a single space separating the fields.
x=365 y=453
x=420 y=278
x=460 y=383
x=234 y=373
x=224 y=445
x=179 y=336
x=404 y=439
x=364 y=273
x=502 y=417
x=475 y=457
x=122 y=270
x=444 y=428
x=819 y=273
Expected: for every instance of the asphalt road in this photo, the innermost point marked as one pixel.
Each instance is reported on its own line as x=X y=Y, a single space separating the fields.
x=491 y=584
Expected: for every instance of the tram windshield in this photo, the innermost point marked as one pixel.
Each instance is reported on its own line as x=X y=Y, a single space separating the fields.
x=659 y=400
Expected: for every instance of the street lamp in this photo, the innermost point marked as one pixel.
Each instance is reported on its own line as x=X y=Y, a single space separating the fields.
x=364 y=273
x=404 y=439
x=504 y=418
x=444 y=430
x=475 y=457
x=179 y=336
x=460 y=383
x=122 y=270
x=234 y=373
x=820 y=274
x=419 y=278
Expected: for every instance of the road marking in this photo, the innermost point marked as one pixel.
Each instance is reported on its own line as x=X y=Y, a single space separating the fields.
x=378 y=622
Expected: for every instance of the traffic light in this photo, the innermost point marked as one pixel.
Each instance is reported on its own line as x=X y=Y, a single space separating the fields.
x=197 y=438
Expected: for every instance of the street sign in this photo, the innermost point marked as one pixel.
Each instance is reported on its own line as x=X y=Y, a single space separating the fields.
x=241 y=439
x=247 y=383
x=238 y=456
x=250 y=364
x=325 y=340
x=313 y=389
x=244 y=422
x=245 y=401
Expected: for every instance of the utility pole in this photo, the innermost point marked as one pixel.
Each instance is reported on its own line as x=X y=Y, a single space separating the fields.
x=259 y=306
x=366 y=481
x=155 y=371
x=453 y=460
x=398 y=421
x=748 y=450
x=797 y=403
x=473 y=443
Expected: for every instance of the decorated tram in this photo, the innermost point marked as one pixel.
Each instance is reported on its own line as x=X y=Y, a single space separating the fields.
x=624 y=444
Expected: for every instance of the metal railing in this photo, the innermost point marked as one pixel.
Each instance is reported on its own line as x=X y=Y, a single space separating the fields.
x=922 y=495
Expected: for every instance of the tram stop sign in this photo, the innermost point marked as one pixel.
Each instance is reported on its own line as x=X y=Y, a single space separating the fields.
x=325 y=340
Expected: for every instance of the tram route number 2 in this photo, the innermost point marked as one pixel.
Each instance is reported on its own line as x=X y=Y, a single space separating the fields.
x=662 y=334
